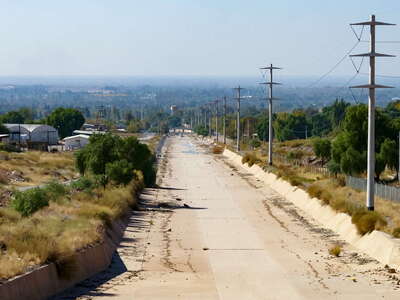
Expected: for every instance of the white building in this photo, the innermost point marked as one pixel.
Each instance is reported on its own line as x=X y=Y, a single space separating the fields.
x=87 y=132
x=75 y=142
x=4 y=138
x=33 y=133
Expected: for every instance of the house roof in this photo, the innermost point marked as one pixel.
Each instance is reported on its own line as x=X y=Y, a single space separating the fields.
x=30 y=127
x=82 y=136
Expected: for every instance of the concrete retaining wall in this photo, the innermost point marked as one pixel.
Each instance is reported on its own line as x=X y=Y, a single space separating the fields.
x=44 y=281
x=377 y=244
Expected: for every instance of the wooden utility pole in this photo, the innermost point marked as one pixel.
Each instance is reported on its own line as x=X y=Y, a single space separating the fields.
x=271 y=83
x=238 y=89
x=371 y=107
x=224 y=128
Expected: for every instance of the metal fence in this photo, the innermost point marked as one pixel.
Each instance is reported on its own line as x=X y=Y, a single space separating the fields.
x=301 y=163
x=381 y=190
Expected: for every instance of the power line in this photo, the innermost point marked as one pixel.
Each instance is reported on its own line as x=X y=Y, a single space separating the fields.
x=335 y=66
x=383 y=42
x=385 y=76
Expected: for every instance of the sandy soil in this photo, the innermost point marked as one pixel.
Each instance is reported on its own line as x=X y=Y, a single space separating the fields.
x=212 y=231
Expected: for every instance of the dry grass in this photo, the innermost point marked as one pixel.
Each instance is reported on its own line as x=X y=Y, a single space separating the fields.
x=56 y=232
x=344 y=199
x=38 y=167
x=332 y=191
x=396 y=232
x=217 y=149
x=368 y=221
x=295 y=143
x=250 y=158
x=335 y=250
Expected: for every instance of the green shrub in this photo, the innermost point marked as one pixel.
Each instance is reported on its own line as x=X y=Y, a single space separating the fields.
x=322 y=148
x=255 y=143
x=27 y=202
x=120 y=172
x=55 y=190
x=83 y=184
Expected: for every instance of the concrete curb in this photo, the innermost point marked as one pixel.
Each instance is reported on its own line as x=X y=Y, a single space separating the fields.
x=44 y=282
x=377 y=244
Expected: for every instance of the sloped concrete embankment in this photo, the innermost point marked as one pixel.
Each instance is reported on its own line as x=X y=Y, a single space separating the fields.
x=377 y=244
x=44 y=282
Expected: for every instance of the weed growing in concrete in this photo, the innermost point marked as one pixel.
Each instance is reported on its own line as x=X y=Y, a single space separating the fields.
x=367 y=221
x=250 y=158
x=335 y=250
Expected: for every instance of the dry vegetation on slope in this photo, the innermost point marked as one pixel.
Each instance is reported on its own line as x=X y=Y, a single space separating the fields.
x=34 y=167
x=74 y=218
x=329 y=189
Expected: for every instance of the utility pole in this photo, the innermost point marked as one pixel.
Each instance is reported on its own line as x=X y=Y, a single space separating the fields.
x=306 y=132
x=209 y=120
x=271 y=83
x=248 y=129
x=371 y=107
x=216 y=119
x=238 y=89
x=204 y=110
x=224 y=128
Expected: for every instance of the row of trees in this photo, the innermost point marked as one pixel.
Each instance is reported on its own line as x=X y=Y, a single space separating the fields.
x=346 y=150
x=339 y=132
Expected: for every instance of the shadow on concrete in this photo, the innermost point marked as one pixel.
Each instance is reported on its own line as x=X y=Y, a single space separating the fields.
x=137 y=222
x=168 y=188
x=88 y=287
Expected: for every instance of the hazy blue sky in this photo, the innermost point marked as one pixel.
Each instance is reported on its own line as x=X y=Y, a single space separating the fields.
x=187 y=37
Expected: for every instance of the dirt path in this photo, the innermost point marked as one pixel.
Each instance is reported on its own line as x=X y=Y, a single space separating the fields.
x=215 y=232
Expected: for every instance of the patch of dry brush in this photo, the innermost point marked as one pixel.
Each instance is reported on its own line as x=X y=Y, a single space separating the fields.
x=55 y=232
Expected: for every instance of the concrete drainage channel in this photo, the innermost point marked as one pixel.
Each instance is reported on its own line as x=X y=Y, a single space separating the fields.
x=376 y=244
x=45 y=282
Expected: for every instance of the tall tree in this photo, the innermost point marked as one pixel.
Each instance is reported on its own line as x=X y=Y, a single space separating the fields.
x=65 y=120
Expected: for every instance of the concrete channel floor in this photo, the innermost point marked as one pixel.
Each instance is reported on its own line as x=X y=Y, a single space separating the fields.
x=213 y=231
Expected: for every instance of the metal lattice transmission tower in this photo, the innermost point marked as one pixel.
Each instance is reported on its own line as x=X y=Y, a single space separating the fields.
x=269 y=85
x=371 y=86
x=238 y=98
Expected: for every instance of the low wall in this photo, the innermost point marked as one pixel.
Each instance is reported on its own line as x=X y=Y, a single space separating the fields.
x=44 y=282
x=377 y=244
